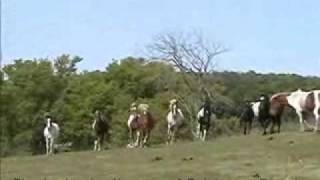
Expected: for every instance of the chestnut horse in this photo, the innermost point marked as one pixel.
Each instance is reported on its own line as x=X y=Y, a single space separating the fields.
x=305 y=103
x=141 y=122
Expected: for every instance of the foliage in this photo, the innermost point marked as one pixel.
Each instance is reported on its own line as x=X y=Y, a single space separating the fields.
x=30 y=88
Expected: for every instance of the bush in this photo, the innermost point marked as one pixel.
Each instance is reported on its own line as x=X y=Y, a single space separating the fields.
x=227 y=126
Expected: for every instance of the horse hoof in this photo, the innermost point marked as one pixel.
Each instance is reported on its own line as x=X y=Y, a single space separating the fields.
x=130 y=146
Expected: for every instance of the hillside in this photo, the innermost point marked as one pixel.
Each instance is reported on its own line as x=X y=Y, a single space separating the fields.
x=284 y=156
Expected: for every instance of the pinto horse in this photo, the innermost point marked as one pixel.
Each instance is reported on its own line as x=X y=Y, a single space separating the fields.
x=140 y=121
x=305 y=103
x=256 y=110
x=175 y=119
x=51 y=133
x=204 y=120
x=101 y=127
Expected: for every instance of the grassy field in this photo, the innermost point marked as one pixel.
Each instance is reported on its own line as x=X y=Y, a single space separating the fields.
x=284 y=156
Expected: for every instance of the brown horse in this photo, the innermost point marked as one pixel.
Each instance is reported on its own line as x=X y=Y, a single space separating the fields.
x=141 y=122
x=305 y=103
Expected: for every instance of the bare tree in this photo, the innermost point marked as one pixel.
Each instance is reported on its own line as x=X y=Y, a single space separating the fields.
x=190 y=53
x=194 y=57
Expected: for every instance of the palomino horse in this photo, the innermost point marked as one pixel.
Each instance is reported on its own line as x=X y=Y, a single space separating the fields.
x=51 y=133
x=100 y=126
x=141 y=122
x=305 y=103
x=175 y=120
x=204 y=120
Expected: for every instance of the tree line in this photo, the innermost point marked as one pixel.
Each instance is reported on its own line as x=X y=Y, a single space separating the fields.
x=30 y=88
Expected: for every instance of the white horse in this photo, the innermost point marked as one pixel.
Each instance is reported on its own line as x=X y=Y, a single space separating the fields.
x=51 y=133
x=175 y=119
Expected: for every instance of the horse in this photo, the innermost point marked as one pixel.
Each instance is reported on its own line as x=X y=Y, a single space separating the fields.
x=262 y=112
x=256 y=110
x=305 y=103
x=100 y=127
x=204 y=120
x=247 y=117
x=142 y=122
x=175 y=119
x=51 y=133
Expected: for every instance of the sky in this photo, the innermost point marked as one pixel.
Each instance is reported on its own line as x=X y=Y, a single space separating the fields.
x=261 y=35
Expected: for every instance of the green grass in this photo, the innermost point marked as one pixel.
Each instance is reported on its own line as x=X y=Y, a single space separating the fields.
x=284 y=156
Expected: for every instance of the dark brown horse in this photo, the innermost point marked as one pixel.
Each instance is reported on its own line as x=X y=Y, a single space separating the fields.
x=141 y=122
x=101 y=128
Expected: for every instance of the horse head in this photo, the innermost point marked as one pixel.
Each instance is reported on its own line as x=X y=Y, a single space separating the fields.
x=49 y=122
x=264 y=97
x=97 y=113
x=173 y=107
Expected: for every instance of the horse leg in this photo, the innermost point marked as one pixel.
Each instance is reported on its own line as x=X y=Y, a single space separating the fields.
x=250 y=126
x=278 y=123
x=300 y=120
x=101 y=141
x=138 y=134
x=201 y=132
x=174 y=133
x=273 y=123
x=146 y=137
x=51 y=145
x=264 y=126
x=198 y=130
x=131 y=139
x=204 y=134
x=245 y=129
x=142 y=139
x=95 y=145
x=47 y=146
x=168 y=135
x=98 y=143
x=317 y=118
